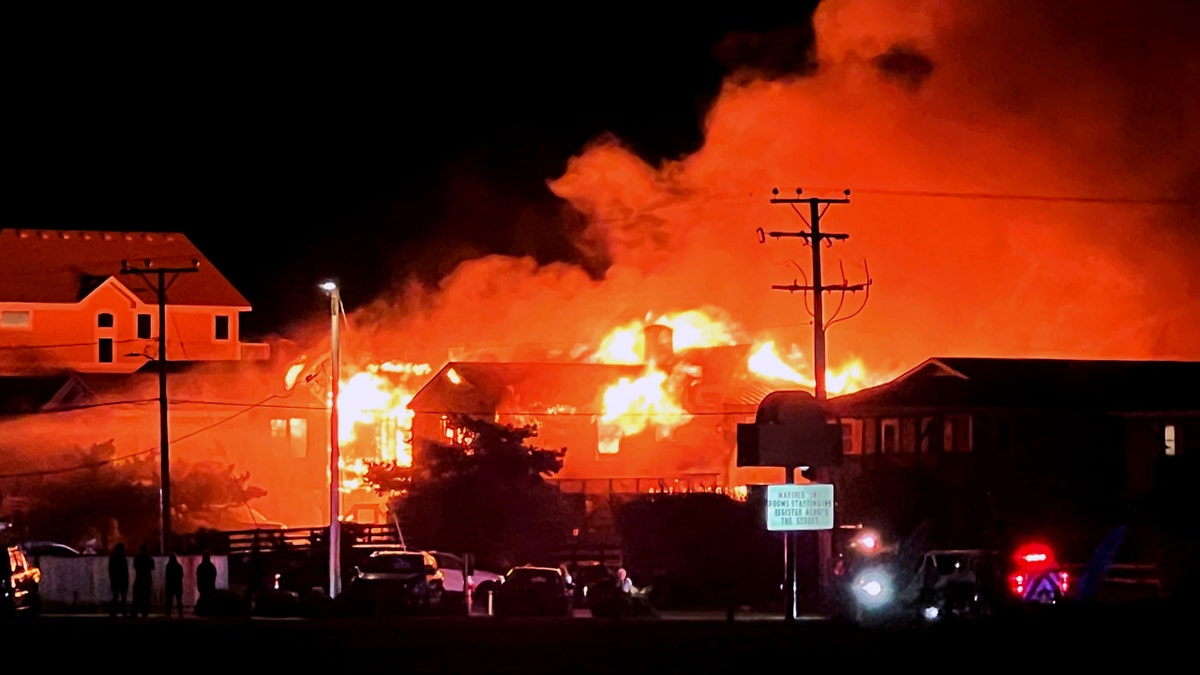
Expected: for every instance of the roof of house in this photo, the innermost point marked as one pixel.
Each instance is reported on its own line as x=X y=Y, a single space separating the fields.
x=64 y=266
x=718 y=381
x=25 y=394
x=1110 y=385
x=520 y=388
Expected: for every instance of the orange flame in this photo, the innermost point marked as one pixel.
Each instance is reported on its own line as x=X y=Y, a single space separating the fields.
x=849 y=378
x=631 y=406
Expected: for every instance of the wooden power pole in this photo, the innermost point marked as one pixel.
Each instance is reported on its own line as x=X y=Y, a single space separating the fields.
x=814 y=238
x=156 y=278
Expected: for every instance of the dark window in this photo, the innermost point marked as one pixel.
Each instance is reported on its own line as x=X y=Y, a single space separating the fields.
x=222 y=328
x=889 y=436
x=105 y=320
x=106 y=350
x=143 y=330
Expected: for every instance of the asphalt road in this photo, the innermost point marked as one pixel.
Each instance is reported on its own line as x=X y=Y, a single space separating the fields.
x=1062 y=637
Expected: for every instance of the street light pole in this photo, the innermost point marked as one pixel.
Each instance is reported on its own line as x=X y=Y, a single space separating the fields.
x=335 y=525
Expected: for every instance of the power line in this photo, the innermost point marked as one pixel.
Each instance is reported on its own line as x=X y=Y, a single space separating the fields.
x=946 y=194
x=70 y=344
x=91 y=465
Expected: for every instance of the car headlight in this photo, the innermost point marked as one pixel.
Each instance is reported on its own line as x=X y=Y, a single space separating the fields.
x=873 y=588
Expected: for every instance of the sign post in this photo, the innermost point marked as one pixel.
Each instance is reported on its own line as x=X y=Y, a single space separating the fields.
x=797 y=507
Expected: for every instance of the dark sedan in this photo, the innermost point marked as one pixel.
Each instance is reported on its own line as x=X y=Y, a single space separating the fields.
x=534 y=591
x=394 y=581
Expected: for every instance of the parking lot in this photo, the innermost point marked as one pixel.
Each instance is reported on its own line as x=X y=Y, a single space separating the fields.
x=673 y=642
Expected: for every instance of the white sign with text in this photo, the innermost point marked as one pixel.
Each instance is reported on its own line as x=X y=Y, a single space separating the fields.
x=800 y=507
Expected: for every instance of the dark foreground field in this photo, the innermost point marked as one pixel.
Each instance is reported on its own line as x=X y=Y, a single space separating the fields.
x=1065 y=636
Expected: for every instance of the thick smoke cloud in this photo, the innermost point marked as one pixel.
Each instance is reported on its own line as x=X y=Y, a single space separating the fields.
x=963 y=129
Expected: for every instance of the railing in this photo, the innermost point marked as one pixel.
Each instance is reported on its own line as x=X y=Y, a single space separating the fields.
x=300 y=539
x=1125 y=580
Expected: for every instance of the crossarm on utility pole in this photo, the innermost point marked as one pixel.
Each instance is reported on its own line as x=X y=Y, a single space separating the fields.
x=160 y=285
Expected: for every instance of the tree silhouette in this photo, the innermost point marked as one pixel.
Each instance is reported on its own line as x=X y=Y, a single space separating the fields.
x=487 y=497
x=115 y=498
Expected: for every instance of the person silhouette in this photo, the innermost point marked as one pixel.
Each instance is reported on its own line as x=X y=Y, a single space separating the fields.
x=118 y=581
x=624 y=583
x=143 y=569
x=206 y=583
x=174 y=585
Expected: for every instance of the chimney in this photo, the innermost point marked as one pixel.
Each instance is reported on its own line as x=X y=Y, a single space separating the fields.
x=658 y=345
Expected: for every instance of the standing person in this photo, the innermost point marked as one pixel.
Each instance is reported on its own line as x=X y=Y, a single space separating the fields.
x=118 y=581
x=143 y=580
x=206 y=583
x=174 y=585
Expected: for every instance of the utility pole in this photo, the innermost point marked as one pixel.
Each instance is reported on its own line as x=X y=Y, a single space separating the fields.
x=155 y=277
x=814 y=238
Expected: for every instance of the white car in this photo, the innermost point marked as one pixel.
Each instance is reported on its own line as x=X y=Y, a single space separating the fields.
x=452 y=566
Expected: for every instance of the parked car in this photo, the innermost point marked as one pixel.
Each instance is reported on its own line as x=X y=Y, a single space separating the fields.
x=391 y=581
x=587 y=576
x=529 y=590
x=36 y=550
x=20 y=587
x=452 y=567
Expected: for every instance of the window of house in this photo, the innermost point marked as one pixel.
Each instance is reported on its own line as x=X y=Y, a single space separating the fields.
x=221 y=329
x=1169 y=440
x=455 y=434
x=889 y=436
x=852 y=436
x=16 y=319
x=908 y=435
x=105 y=350
x=608 y=438
x=104 y=320
x=956 y=433
x=290 y=436
x=143 y=326
x=926 y=434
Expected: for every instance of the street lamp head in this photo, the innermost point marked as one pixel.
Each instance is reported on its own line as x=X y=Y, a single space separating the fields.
x=328 y=286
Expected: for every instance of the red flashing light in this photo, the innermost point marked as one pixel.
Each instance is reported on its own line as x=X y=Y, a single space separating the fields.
x=1037 y=555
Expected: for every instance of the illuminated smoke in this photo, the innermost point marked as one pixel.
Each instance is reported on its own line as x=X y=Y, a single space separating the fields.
x=980 y=98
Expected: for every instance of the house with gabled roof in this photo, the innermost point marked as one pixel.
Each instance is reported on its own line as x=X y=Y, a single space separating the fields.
x=1023 y=436
x=565 y=402
x=88 y=301
x=79 y=340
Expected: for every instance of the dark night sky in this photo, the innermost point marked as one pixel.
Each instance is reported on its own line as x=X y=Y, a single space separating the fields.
x=291 y=147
